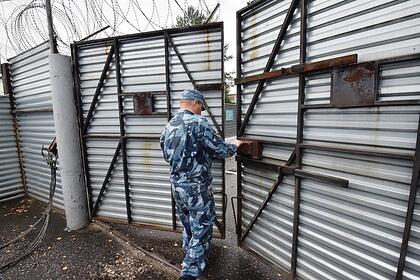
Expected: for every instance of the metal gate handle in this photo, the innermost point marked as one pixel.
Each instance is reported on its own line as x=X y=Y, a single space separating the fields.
x=225 y=199
x=234 y=211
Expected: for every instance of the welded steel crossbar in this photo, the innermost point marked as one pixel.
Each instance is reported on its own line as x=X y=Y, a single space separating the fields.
x=299 y=69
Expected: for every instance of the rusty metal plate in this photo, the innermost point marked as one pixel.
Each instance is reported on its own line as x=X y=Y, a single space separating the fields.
x=251 y=149
x=353 y=86
x=143 y=103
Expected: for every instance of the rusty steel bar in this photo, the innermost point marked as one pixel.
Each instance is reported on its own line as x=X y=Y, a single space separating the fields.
x=270 y=62
x=268 y=165
x=300 y=68
x=106 y=179
x=410 y=207
x=322 y=178
x=98 y=89
x=217 y=86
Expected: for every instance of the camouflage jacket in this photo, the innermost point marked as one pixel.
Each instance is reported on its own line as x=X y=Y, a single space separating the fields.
x=189 y=143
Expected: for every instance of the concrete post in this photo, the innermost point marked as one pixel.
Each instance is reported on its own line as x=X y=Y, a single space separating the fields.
x=68 y=141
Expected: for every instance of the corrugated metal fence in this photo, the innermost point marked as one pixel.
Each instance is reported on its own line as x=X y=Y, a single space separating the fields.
x=30 y=80
x=312 y=224
x=126 y=174
x=11 y=186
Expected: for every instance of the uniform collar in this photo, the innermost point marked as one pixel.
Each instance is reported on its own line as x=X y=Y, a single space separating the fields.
x=183 y=110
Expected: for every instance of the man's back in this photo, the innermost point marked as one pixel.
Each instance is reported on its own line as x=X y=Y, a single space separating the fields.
x=189 y=143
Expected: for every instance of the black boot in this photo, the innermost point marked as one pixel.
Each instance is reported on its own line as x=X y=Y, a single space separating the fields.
x=187 y=277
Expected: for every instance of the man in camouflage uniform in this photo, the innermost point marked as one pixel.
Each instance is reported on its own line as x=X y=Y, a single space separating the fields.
x=189 y=144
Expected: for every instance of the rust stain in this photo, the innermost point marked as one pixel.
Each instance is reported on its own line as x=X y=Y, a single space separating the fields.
x=254 y=52
x=147 y=146
x=207 y=39
x=354 y=86
x=354 y=76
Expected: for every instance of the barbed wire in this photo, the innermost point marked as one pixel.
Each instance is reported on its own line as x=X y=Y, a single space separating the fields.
x=24 y=21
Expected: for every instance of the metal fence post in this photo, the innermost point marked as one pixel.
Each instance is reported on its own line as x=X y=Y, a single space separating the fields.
x=299 y=136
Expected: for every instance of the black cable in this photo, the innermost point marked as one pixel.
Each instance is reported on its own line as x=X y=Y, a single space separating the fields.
x=52 y=162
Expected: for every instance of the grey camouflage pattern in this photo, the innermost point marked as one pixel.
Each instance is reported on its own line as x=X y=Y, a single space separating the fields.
x=189 y=144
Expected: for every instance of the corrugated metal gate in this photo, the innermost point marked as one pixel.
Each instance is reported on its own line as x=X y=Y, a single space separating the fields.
x=11 y=185
x=126 y=175
x=334 y=195
x=30 y=90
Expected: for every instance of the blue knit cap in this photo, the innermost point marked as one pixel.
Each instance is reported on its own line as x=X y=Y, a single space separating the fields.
x=192 y=94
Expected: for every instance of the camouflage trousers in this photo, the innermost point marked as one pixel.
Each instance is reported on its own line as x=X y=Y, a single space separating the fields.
x=197 y=212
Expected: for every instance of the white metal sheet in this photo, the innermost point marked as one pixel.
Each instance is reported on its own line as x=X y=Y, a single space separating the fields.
x=143 y=70
x=11 y=186
x=353 y=233
x=31 y=90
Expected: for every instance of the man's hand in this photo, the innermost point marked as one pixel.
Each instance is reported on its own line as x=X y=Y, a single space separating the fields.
x=236 y=142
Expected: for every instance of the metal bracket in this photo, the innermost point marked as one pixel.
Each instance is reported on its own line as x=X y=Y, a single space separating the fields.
x=233 y=209
x=220 y=225
x=322 y=178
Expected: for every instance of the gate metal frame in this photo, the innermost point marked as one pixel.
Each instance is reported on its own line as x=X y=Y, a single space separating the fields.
x=294 y=164
x=84 y=123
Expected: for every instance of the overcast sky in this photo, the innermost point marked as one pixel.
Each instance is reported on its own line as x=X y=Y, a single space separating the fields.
x=227 y=13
